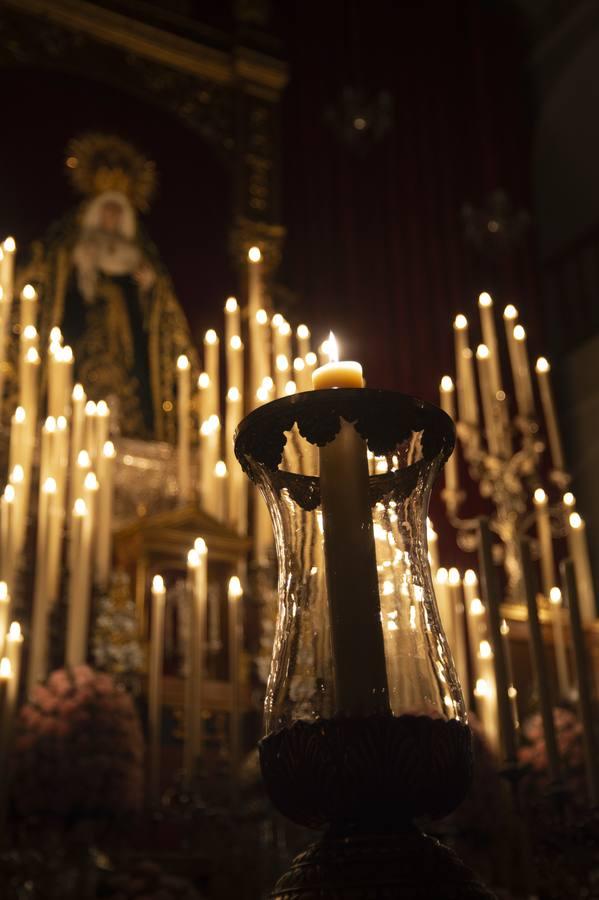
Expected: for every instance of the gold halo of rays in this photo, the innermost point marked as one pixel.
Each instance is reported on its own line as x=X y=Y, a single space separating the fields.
x=103 y=162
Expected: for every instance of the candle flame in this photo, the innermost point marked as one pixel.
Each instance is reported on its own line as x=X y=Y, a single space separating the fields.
x=28 y=292
x=9 y=245
x=447 y=384
x=542 y=365
x=311 y=359
x=477 y=607
x=575 y=521
x=55 y=335
x=80 y=508
x=519 y=333
x=220 y=469
x=303 y=332
x=231 y=305
x=235 y=588
x=298 y=364
x=460 y=323
x=211 y=336
x=78 y=392
x=254 y=254
x=261 y=317
x=441 y=576
x=66 y=355
x=233 y=395
x=30 y=332
x=32 y=356
x=14 y=633
x=9 y=493
x=50 y=425
x=569 y=499
x=5 y=668
x=203 y=381
x=20 y=415
x=470 y=578
x=276 y=320
x=17 y=476
x=282 y=363
x=284 y=328
x=485 y=651
x=108 y=450
x=235 y=342
x=332 y=348
x=453 y=576
x=555 y=596
x=504 y=628
x=482 y=352
x=200 y=546
x=182 y=363
x=482 y=688
x=290 y=388
x=158 y=584
x=510 y=312
x=49 y=486
x=90 y=482
x=102 y=409
x=90 y=408
x=485 y=299
x=83 y=460
x=193 y=559
x=540 y=497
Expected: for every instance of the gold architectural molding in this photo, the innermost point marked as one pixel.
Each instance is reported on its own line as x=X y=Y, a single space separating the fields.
x=156 y=44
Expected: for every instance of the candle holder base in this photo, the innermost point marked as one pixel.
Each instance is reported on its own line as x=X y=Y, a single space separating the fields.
x=379 y=866
x=380 y=768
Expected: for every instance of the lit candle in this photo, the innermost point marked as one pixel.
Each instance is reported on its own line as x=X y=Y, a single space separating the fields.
x=38 y=656
x=511 y=691
x=198 y=584
x=483 y=360
x=105 y=498
x=350 y=557
x=260 y=367
x=522 y=374
x=102 y=426
x=90 y=442
x=236 y=498
x=460 y=647
x=78 y=401
x=235 y=593
x=545 y=540
x=28 y=389
x=466 y=384
x=311 y=361
x=13 y=648
x=257 y=321
x=487 y=321
x=78 y=609
x=5 y=728
x=447 y=395
x=232 y=319
x=183 y=418
x=543 y=369
x=432 y=539
x=211 y=366
x=485 y=692
x=220 y=490
x=446 y=611
x=301 y=374
x=559 y=643
x=6 y=533
x=4 y=612
x=585 y=694
x=209 y=452
x=7 y=261
x=579 y=551
x=28 y=307
x=155 y=684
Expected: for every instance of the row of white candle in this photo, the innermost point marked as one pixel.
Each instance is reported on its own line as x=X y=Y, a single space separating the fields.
x=275 y=368
x=195 y=698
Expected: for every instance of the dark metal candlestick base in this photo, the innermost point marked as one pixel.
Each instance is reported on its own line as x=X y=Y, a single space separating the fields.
x=405 y=865
x=375 y=770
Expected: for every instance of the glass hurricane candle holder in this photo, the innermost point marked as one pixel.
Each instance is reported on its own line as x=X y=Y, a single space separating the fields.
x=364 y=714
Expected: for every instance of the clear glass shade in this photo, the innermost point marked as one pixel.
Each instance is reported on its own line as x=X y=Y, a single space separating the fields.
x=358 y=630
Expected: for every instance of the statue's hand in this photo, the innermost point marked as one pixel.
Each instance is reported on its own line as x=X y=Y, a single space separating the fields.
x=145 y=276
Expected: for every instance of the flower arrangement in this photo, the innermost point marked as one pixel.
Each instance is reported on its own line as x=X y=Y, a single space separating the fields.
x=78 y=749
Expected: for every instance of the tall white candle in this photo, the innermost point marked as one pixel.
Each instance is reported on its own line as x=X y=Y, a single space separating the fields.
x=485 y=693
x=579 y=551
x=28 y=307
x=232 y=319
x=236 y=498
x=6 y=534
x=447 y=397
x=460 y=647
x=301 y=374
x=543 y=369
x=7 y=261
x=102 y=426
x=487 y=321
x=184 y=426
x=156 y=658
x=220 y=490
x=212 y=367
x=545 y=540
x=303 y=340
x=78 y=401
x=4 y=612
x=492 y=431
x=38 y=651
x=105 y=499
x=466 y=383
x=13 y=649
x=522 y=374
x=281 y=374
x=78 y=612
x=90 y=431
x=257 y=321
x=350 y=557
x=198 y=577
x=235 y=593
x=559 y=643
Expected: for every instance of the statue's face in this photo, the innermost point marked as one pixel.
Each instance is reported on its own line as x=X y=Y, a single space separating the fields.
x=111 y=216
